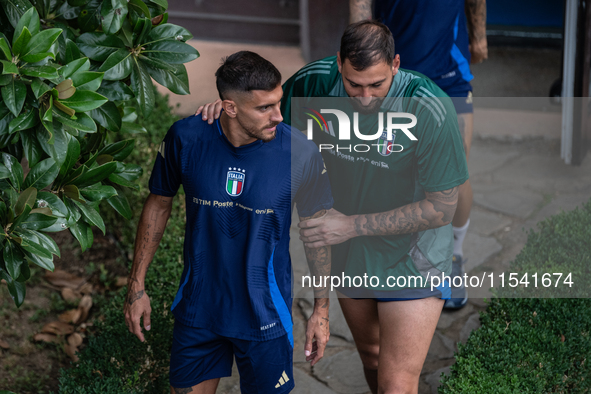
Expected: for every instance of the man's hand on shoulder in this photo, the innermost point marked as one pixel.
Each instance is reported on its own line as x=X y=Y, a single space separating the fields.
x=210 y=111
x=137 y=305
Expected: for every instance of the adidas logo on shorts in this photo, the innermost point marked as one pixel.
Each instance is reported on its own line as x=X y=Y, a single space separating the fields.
x=282 y=380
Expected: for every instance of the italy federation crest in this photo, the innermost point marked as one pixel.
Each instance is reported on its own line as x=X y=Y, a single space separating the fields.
x=385 y=146
x=235 y=181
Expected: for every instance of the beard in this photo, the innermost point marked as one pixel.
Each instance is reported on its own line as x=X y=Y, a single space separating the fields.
x=373 y=107
x=259 y=133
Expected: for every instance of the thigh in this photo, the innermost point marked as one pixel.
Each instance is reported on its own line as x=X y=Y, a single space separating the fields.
x=264 y=366
x=198 y=355
x=362 y=318
x=406 y=330
x=466 y=125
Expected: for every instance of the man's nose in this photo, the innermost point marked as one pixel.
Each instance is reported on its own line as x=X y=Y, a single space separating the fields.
x=276 y=115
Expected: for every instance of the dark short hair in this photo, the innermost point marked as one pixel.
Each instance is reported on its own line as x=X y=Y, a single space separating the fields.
x=367 y=43
x=245 y=71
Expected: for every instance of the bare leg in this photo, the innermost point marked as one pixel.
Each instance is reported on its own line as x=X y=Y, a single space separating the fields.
x=207 y=387
x=466 y=124
x=406 y=331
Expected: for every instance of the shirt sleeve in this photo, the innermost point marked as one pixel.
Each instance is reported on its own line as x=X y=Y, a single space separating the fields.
x=314 y=193
x=166 y=174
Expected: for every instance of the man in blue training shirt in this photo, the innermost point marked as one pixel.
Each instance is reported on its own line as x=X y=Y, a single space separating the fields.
x=241 y=181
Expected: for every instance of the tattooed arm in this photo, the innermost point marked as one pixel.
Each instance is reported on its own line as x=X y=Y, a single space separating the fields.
x=149 y=233
x=436 y=210
x=318 y=327
x=476 y=17
x=359 y=10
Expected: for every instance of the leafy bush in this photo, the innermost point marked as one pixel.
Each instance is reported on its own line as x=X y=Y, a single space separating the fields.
x=71 y=73
x=534 y=345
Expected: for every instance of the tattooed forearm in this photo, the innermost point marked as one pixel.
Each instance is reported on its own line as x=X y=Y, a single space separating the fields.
x=359 y=10
x=133 y=297
x=182 y=391
x=476 y=17
x=319 y=263
x=436 y=210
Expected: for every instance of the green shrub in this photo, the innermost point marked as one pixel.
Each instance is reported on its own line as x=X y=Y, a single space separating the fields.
x=72 y=72
x=535 y=345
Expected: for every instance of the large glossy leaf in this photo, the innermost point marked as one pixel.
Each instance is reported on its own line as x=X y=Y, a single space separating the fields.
x=31 y=147
x=18 y=45
x=95 y=175
x=84 y=100
x=98 y=192
x=168 y=31
x=16 y=289
x=58 y=151
x=39 y=87
x=27 y=197
x=9 y=68
x=38 y=47
x=37 y=221
x=173 y=52
x=121 y=205
x=129 y=171
x=24 y=121
x=91 y=215
x=119 y=180
x=4 y=173
x=5 y=79
x=90 y=16
x=119 y=150
x=72 y=51
x=177 y=81
x=15 y=9
x=42 y=239
x=75 y=66
x=32 y=244
x=82 y=123
x=83 y=233
x=98 y=46
x=72 y=155
x=13 y=258
x=115 y=91
x=5 y=118
x=5 y=49
x=15 y=170
x=132 y=128
x=50 y=200
x=42 y=175
x=73 y=193
x=140 y=7
x=30 y=19
x=113 y=14
x=88 y=80
x=42 y=262
x=117 y=66
x=14 y=95
x=68 y=12
x=107 y=116
x=47 y=72
x=141 y=84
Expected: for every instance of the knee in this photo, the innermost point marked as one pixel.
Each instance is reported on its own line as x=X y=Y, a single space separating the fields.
x=369 y=355
x=398 y=390
x=399 y=385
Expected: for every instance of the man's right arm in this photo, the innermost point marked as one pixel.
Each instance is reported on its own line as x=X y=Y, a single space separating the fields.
x=151 y=227
x=359 y=10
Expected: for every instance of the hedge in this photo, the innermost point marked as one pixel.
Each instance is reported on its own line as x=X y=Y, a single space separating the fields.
x=535 y=345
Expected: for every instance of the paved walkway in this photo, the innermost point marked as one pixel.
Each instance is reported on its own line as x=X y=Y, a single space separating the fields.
x=518 y=179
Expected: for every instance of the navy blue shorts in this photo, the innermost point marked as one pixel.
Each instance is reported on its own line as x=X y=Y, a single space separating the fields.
x=199 y=355
x=461 y=98
x=443 y=292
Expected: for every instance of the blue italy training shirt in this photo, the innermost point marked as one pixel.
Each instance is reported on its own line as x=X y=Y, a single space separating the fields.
x=236 y=280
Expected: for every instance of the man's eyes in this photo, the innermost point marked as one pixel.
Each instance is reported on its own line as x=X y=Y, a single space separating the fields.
x=375 y=85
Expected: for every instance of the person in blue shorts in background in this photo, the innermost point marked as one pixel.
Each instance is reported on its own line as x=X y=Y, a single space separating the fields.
x=241 y=181
x=440 y=39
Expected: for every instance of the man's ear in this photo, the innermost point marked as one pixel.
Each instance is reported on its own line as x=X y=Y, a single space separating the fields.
x=230 y=107
x=339 y=63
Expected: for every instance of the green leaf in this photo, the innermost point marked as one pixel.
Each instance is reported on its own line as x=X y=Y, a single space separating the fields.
x=126 y=33
x=4 y=173
x=67 y=110
x=121 y=205
x=113 y=14
x=84 y=100
x=5 y=118
x=141 y=30
x=107 y=116
x=5 y=79
x=16 y=289
x=119 y=180
x=47 y=72
x=68 y=12
x=20 y=218
x=42 y=239
x=15 y=170
x=39 y=44
x=83 y=233
x=140 y=7
x=82 y=123
x=161 y=3
x=5 y=49
x=99 y=46
x=42 y=262
x=72 y=155
x=119 y=150
x=95 y=175
x=132 y=128
x=173 y=52
x=91 y=215
x=39 y=88
x=141 y=84
x=156 y=63
x=115 y=91
x=176 y=81
x=42 y=175
x=8 y=67
x=97 y=192
x=77 y=3
x=32 y=245
x=72 y=51
x=15 y=9
x=75 y=66
x=27 y=197
x=168 y=31
x=73 y=193
x=30 y=19
x=13 y=258
x=53 y=202
x=14 y=95
x=129 y=171
x=88 y=80
x=21 y=42
x=117 y=66
x=24 y=121
x=90 y=18
x=38 y=221
x=58 y=151
x=129 y=114
x=31 y=148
